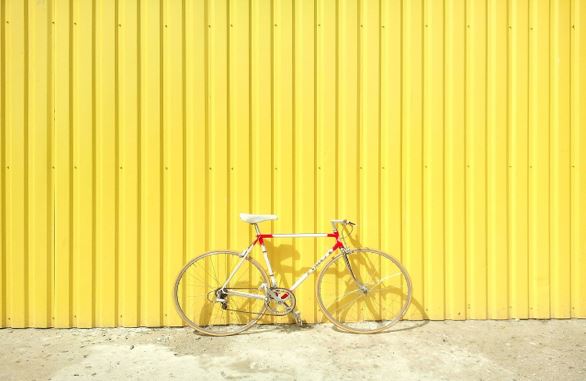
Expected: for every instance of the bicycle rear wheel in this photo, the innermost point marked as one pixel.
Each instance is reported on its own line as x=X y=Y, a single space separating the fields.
x=204 y=305
x=377 y=299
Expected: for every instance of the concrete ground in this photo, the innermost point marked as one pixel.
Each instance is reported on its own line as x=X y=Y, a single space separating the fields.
x=471 y=350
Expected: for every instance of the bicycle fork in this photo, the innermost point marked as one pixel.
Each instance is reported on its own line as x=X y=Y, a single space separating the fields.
x=361 y=286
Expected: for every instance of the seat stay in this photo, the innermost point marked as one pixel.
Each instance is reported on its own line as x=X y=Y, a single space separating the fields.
x=243 y=257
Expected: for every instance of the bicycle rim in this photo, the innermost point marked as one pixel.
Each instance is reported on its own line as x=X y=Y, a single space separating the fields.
x=196 y=293
x=344 y=303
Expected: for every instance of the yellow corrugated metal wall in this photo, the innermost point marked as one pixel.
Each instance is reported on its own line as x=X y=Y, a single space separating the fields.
x=135 y=131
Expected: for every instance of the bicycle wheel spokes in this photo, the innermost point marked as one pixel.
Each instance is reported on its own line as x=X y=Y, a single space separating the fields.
x=378 y=297
x=206 y=306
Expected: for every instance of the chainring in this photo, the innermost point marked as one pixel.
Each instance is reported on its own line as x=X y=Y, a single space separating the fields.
x=280 y=301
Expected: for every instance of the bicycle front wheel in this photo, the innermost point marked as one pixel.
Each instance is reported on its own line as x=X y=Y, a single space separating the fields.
x=205 y=305
x=372 y=300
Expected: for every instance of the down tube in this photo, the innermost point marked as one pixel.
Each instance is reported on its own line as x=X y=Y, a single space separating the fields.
x=313 y=268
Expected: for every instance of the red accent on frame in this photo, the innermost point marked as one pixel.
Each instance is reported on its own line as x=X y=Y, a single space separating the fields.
x=260 y=237
x=337 y=245
x=334 y=234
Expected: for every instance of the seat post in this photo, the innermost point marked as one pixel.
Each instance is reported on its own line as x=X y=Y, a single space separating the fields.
x=257 y=229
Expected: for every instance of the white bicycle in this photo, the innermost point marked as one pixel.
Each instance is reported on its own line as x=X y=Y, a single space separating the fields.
x=223 y=293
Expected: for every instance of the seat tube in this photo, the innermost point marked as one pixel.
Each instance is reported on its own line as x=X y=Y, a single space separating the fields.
x=266 y=256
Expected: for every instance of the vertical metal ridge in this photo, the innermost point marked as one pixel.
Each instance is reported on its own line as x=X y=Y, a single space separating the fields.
x=93 y=191
x=337 y=105
x=443 y=145
x=528 y=217
x=402 y=123
x=162 y=163
x=508 y=161
x=229 y=205
x=294 y=272
x=578 y=154
x=250 y=118
x=207 y=123
x=50 y=158
x=3 y=145
x=139 y=193
x=420 y=168
x=70 y=120
x=379 y=130
x=548 y=171
x=118 y=165
x=358 y=110
x=315 y=118
x=486 y=175
x=570 y=175
x=139 y=148
x=560 y=160
x=184 y=128
x=465 y=140
x=272 y=54
x=26 y=102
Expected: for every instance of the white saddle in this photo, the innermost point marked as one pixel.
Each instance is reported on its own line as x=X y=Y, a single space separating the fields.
x=256 y=218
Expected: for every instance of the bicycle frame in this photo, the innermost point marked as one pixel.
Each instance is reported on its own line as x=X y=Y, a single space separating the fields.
x=260 y=240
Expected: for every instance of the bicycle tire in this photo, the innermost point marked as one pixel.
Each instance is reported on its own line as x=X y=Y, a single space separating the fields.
x=208 y=279
x=378 y=323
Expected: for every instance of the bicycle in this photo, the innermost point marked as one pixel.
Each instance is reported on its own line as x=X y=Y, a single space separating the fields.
x=223 y=293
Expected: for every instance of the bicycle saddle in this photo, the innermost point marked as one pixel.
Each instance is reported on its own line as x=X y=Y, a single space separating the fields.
x=256 y=218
